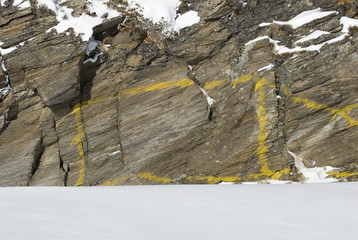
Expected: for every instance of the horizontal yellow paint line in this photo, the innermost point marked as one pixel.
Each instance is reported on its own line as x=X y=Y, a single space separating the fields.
x=115 y=182
x=158 y=86
x=213 y=179
x=214 y=84
x=150 y=177
x=338 y=175
x=242 y=79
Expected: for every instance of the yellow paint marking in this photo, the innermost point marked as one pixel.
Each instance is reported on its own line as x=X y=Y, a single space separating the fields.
x=278 y=175
x=157 y=86
x=242 y=79
x=262 y=149
x=263 y=121
x=229 y=179
x=213 y=84
x=310 y=104
x=97 y=100
x=260 y=82
x=337 y=174
x=150 y=177
x=262 y=137
x=213 y=180
x=115 y=182
x=78 y=141
x=317 y=106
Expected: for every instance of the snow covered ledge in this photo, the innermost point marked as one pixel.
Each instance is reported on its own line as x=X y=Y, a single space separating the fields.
x=312 y=175
x=162 y=12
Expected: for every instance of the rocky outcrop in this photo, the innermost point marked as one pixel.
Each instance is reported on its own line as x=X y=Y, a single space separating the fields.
x=223 y=101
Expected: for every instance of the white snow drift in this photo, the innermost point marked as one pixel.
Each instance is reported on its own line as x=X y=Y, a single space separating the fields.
x=230 y=212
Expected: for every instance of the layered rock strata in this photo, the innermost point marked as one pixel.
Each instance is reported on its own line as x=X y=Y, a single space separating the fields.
x=237 y=97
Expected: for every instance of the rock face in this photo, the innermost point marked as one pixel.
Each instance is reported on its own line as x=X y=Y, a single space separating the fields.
x=140 y=112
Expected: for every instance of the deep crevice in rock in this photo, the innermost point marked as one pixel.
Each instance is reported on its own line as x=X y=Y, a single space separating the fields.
x=7 y=77
x=191 y=76
x=38 y=152
x=119 y=133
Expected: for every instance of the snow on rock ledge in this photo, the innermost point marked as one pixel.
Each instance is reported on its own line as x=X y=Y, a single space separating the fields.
x=157 y=11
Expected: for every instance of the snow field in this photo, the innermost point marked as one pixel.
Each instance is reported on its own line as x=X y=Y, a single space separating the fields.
x=288 y=211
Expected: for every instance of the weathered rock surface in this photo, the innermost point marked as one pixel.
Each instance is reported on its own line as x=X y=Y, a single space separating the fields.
x=140 y=113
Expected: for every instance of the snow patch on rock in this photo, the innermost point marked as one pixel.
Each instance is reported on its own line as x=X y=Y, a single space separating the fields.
x=312 y=175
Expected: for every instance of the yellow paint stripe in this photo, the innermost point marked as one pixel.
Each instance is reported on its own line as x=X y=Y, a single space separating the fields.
x=158 y=86
x=260 y=82
x=213 y=179
x=78 y=141
x=310 y=104
x=277 y=175
x=317 y=106
x=262 y=149
x=339 y=175
x=98 y=100
x=115 y=182
x=262 y=117
x=242 y=79
x=213 y=84
x=263 y=122
x=150 y=177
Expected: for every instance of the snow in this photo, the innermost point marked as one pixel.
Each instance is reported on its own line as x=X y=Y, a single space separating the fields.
x=186 y=20
x=3 y=68
x=156 y=11
x=302 y=19
x=25 y=4
x=7 y=80
x=305 y=17
x=82 y=25
x=92 y=45
x=94 y=59
x=5 y=51
x=20 y=3
x=266 y=68
x=264 y=24
x=114 y=153
x=208 y=98
x=314 y=35
x=177 y=212
x=312 y=175
x=243 y=3
x=347 y=23
x=257 y=39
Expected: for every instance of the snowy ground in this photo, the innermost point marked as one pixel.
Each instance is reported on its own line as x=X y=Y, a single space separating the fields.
x=289 y=211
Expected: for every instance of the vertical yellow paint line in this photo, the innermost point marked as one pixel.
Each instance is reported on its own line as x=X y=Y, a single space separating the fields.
x=78 y=140
x=263 y=134
x=262 y=118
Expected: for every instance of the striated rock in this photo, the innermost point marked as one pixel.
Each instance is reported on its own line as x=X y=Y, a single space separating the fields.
x=55 y=82
x=227 y=100
x=49 y=171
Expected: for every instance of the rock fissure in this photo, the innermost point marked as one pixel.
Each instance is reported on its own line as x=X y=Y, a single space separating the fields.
x=7 y=86
x=210 y=101
x=120 y=145
x=37 y=155
x=280 y=109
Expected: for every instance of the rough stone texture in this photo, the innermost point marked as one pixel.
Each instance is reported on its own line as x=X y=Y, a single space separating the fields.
x=138 y=116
